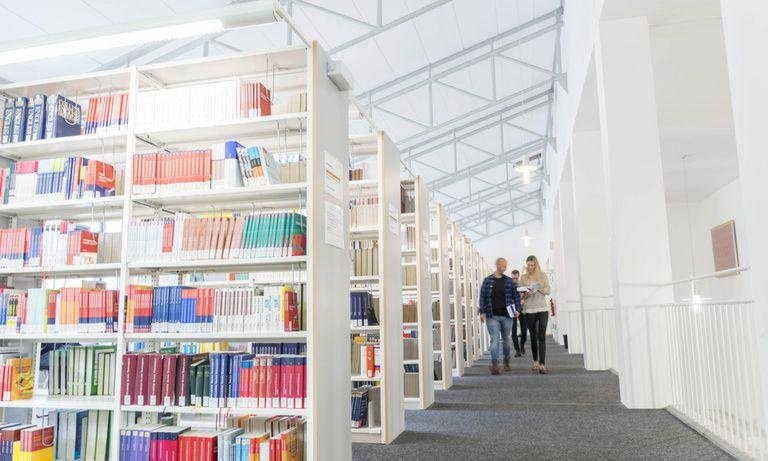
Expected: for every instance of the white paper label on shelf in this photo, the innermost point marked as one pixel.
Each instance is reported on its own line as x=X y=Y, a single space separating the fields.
x=334 y=225
x=334 y=172
x=394 y=219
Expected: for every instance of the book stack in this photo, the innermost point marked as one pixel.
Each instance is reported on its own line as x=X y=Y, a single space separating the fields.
x=16 y=377
x=409 y=276
x=81 y=434
x=364 y=211
x=107 y=114
x=247 y=438
x=255 y=100
x=87 y=309
x=407 y=197
x=363 y=309
x=365 y=257
x=55 y=243
x=411 y=379
x=366 y=406
x=233 y=236
x=82 y=370
x=408 y=236
x=292 y=167
x=204 y=103
x=366 y=355
x=176 y=309
x=436 y=309
x=10 y=440
x=410 y=347
x=172 y=171
x=410 y=312
x=291 y=104
x=56 y=179
x=37 y=443
x=26 y=119
x=217 y=379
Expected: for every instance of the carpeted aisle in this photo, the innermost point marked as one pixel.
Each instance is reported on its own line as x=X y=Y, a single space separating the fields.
x=569 y=414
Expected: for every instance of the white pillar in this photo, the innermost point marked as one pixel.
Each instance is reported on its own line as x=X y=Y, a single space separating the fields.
x=570 y=298
x=594 y=250
x=637 y=209
x=745 y=26
x=558 y=323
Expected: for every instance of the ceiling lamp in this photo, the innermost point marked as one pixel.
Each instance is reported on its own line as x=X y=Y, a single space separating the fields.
x=526 y=239
x=115 y=36
x=526 y=168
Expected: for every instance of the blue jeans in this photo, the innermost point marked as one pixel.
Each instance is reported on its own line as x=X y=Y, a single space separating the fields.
x=499 y=326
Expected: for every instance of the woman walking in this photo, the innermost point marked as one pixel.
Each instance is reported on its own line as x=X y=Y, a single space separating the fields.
x=536 y=310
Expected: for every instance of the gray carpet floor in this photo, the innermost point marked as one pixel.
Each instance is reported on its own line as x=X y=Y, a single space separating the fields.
x=569 y=414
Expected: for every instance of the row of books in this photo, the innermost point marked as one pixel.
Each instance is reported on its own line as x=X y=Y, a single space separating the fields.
x=407 y=197
x=363 y=309
x=364 y=211
x=410 y=346
x=56 y=242
x=215 y=380
x=408 y=236
x=366 y=355
x=56 y=179
x=366 y=406
x=411 y=380
x=410 y=311
x=106 y=114
x=256 y=439
x=173 y=309
x=87 y=309
x=223 y=236
x=16 y=376
x=42 y=117
x=409 y=278
x=82 y=370
x=78 y=434
x=203 y=103
x=365 y=257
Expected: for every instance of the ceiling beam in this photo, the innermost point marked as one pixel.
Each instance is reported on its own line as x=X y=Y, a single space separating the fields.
x=513 y=206
x=428 y=69
x=483 y=198
x=500 y=231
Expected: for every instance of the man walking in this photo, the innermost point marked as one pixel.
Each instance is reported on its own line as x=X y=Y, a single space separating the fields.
x=499 y=305
x=519 y=345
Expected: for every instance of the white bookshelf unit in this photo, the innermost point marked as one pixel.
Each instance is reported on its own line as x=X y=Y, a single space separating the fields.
x=466 y=299
x=440 y=271
x=380 y=158
x=420 y=368
x=455 y=298
x=319 y=132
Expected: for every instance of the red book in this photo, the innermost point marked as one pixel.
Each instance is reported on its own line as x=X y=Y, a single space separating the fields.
x=155 y=380
x=276 y=381
x=265 y=399
x=129 y=379
x=370 y=361
x=169 y=380
x=142 y=378
x=182 y=380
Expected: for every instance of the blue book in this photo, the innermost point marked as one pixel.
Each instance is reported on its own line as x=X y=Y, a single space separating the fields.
x=30 y=113
x=38 y=119
x=7 y=121
x=63 y=117
x=19 y=119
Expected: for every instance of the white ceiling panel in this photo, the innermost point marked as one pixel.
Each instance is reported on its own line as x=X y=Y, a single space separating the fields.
x=56 y=16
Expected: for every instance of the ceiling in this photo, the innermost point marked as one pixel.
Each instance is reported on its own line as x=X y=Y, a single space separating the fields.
x=692 y=95
x=463 y=86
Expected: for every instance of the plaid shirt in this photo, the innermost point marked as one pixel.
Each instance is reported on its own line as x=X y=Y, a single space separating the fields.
x=511 y=296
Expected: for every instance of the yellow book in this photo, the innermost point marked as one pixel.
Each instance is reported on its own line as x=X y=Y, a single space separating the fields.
x=22 y=378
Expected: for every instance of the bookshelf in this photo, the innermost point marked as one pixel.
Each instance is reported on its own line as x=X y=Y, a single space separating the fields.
x=466 y=299
x=418 y=366
x=318 y=132
x=439 y=270
x=374 y=163
x=455 y=298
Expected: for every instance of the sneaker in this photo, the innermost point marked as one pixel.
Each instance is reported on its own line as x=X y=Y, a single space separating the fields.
x=518 y=354
x=536 y=366
x=494 y=368
x=506 y=365
x=543 y=370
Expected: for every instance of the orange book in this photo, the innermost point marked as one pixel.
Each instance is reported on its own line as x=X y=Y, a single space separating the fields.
x=370 y=361
x=22 y=378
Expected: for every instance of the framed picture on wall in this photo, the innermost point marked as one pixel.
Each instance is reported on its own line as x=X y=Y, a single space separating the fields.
x=724 y=248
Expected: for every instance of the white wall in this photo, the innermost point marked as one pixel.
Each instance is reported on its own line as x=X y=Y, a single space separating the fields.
x=509 y=245
x=723 y=205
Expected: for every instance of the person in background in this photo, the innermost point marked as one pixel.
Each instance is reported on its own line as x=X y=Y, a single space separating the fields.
x=519 y=344
x=536 y=310
x=499 y=306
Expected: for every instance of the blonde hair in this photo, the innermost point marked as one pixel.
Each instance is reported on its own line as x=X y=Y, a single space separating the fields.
x=537 y=275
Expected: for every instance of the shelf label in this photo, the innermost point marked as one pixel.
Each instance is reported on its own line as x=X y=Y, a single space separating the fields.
x=334 y=225
x=334 y=174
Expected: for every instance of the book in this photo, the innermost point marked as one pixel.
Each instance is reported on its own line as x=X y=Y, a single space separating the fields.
x=269 y=376
x=19 y=127
x=63 y=117
x=258 y=234
x=178 y=309
x=37 y=444
x=365 y=257
x=82 y=370
x=364 y=211
x=106 y=114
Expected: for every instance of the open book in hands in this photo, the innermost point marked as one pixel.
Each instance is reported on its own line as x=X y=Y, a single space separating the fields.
x=529 y=288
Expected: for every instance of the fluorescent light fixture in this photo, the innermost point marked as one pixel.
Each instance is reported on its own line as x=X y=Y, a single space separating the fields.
x=180 y=26
x=526 y=168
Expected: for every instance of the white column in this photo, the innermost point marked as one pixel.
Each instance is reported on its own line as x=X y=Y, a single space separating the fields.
x=558 y=323
x=745 y=26
x=570 y=298
x=594 y=250
x=636 y=209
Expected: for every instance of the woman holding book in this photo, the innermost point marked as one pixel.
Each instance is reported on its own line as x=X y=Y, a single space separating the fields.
x=536 y=286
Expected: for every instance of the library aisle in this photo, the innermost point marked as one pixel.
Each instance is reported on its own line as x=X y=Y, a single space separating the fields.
x=568 y=414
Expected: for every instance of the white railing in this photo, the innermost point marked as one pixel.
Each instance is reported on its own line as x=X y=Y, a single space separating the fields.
x=714 y=372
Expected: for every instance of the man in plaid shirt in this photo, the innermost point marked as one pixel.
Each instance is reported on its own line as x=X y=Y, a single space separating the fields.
x=499 y=305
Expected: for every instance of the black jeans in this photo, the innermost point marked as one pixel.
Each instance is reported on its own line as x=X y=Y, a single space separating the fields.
x=537 y=324
x=523 y=332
